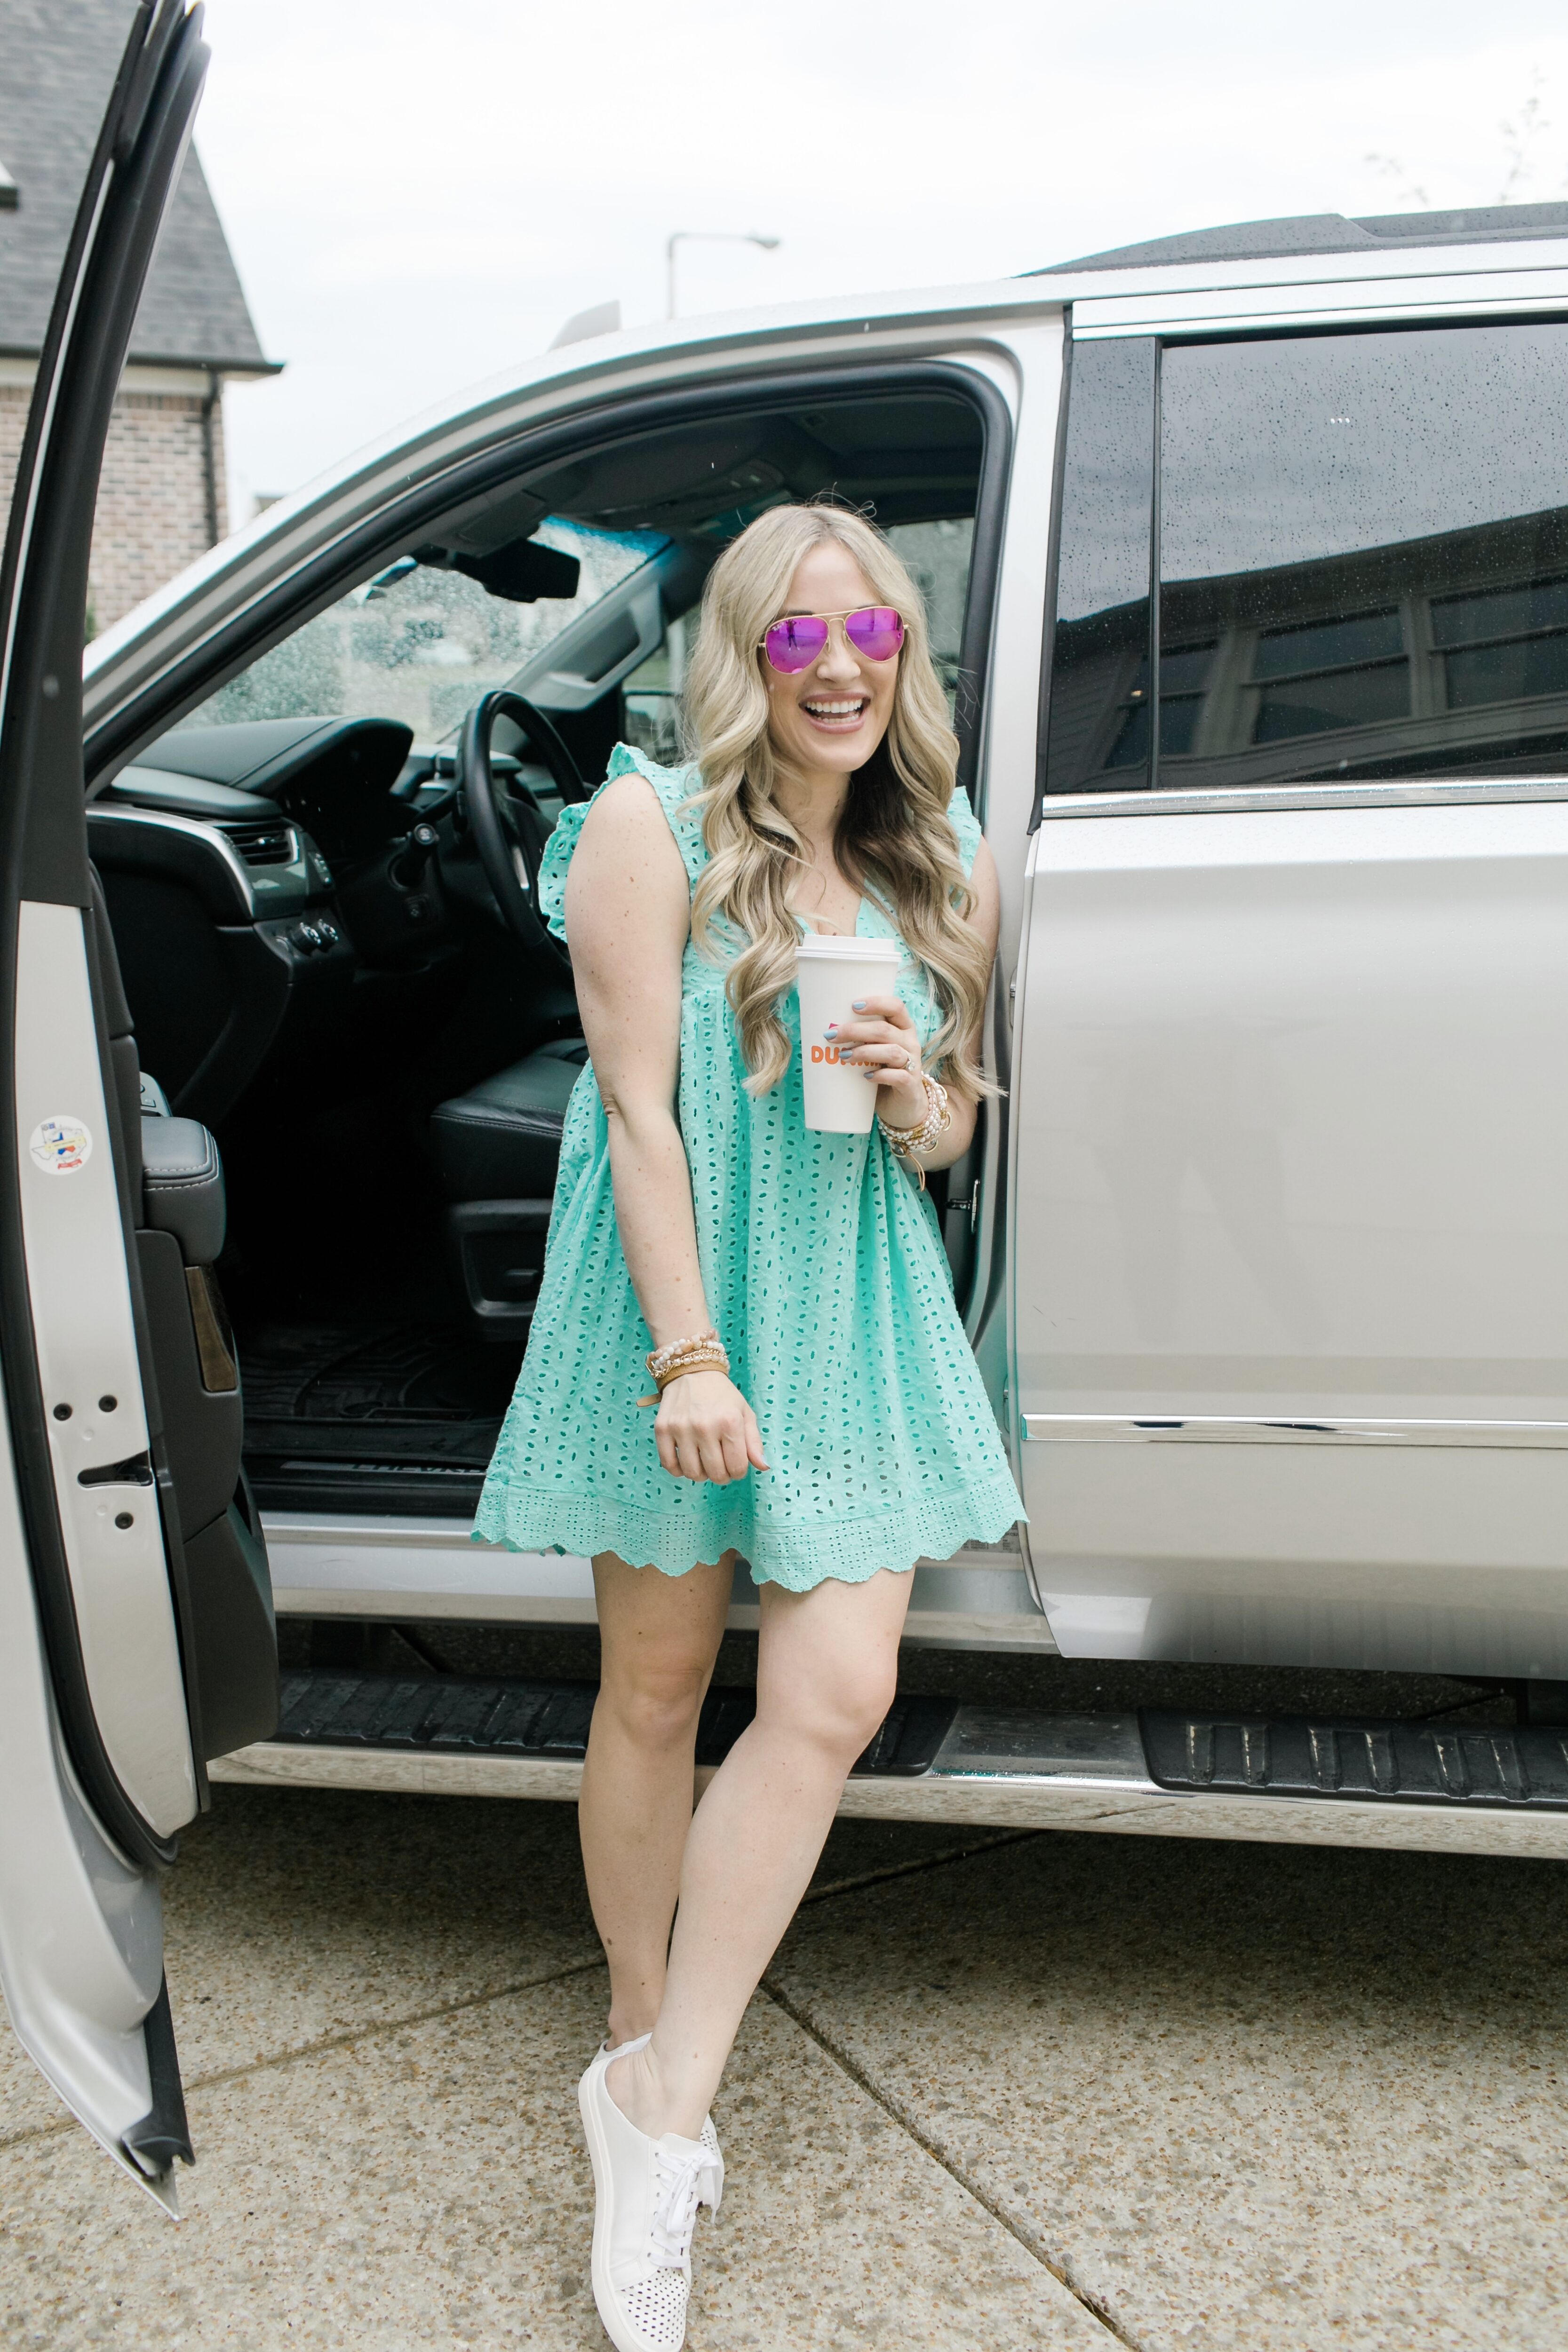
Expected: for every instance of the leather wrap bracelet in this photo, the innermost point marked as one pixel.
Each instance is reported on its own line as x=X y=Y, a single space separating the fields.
x=704 y=1352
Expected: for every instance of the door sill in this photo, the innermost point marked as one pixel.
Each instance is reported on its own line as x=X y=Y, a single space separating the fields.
x=429 y=1571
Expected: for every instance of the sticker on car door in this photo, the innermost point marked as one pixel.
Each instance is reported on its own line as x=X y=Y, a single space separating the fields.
x=61 y=1145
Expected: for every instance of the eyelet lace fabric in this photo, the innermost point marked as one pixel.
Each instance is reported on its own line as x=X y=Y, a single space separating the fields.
x=826 y=1278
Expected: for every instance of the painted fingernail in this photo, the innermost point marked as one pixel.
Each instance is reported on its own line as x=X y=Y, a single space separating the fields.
x=831 y=1030
x=858 y=1005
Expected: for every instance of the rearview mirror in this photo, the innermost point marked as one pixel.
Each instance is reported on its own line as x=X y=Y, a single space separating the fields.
x=522 y=572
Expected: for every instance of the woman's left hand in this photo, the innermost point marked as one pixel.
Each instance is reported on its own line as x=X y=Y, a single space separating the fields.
x=882 y=1041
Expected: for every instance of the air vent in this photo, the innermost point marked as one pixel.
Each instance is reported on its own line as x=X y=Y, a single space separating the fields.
x=263 y=844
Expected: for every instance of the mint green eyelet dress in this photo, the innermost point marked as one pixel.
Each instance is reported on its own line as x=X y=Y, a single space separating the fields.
x=826 y=1280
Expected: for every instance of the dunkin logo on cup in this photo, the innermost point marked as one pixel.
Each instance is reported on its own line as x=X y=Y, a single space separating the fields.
x=825 y=1053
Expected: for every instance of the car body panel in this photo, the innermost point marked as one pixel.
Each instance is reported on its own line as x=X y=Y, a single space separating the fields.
x=1291 y=1169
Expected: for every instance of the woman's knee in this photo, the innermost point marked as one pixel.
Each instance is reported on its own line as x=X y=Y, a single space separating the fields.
x=655 y=1701
x=867 y=1703
x=840 y=1711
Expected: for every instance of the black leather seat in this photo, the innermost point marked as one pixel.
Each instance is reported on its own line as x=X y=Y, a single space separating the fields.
x=501 y=1140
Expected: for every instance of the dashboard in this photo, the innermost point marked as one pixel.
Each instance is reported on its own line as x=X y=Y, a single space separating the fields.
x=334 y=777
x=257 y=875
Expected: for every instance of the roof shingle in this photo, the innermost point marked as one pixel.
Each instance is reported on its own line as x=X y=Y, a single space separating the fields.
x=58 y=59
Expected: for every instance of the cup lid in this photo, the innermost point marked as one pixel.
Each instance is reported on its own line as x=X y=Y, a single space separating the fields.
x=814 y=944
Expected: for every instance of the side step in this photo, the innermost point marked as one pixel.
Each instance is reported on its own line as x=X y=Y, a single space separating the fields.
x=1404 y=1763
x=455 y=1714
x=1339 y=1781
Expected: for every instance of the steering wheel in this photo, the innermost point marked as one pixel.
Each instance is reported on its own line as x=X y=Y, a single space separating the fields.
x=508 y=827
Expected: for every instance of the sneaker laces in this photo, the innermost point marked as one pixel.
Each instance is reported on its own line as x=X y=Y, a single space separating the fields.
x=674 y=2217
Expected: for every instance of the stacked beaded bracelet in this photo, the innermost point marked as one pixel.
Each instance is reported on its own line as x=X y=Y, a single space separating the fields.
x=705 y=1353
x=903 y=1143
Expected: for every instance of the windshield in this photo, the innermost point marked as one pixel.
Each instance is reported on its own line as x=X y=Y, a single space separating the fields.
x=422 y=645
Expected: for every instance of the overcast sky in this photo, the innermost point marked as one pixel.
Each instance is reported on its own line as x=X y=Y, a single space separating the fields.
x=418 y=196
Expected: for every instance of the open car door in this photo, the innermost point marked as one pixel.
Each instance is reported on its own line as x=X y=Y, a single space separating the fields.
x=136 y=1634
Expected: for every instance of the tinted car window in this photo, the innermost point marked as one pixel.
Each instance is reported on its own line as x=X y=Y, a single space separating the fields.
x=1099 y=733
x=1364 y=557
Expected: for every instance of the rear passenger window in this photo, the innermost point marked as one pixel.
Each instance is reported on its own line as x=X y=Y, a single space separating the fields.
x=1362 y=566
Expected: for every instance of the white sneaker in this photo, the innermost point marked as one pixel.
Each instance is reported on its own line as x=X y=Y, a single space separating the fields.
x=711 y=2192
x=644 y=2206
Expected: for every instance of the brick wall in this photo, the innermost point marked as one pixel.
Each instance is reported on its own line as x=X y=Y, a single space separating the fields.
x=153 y=503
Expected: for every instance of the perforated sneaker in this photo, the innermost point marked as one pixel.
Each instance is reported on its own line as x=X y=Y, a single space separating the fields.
x=711 y=2192
x=645 y=2207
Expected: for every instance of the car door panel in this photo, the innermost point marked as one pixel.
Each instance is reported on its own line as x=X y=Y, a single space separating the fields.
x=74 y=1239
x=1445 y=1560
x=1293 y=1229
x=101 y=1602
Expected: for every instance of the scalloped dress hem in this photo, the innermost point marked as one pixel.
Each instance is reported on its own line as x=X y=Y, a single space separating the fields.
x=847 y=1551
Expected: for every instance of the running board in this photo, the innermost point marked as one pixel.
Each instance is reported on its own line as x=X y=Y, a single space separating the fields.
x=1296 y=1779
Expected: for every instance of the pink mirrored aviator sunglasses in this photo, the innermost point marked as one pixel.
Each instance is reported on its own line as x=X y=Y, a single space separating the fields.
x=792 y=645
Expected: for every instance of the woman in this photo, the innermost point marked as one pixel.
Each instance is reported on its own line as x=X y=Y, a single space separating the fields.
x=819 y=1414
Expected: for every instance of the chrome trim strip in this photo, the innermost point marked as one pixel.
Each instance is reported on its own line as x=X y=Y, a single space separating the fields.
x=1223 y=800
x=1245 y=1429
x=208 y=832
x=1106 y=1802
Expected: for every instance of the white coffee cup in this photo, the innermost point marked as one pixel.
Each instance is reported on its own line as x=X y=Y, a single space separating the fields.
x=830 y=973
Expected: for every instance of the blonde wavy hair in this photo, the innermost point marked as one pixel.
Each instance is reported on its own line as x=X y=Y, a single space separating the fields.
x=894 y=834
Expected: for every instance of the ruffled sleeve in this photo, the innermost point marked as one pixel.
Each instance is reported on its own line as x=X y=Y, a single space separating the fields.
x=674 y=786
x=557 y=858
x=966 y=826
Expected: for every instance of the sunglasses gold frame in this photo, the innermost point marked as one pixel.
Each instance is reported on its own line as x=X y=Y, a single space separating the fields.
x=847 y=613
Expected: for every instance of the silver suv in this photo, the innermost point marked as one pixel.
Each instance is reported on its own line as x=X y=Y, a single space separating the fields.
x=1247 y=558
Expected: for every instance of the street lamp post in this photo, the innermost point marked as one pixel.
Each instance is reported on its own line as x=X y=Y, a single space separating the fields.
x=707 y=237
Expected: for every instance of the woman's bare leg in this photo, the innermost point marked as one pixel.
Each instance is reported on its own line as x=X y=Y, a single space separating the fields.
x=827 y=1672
x=661 y=1635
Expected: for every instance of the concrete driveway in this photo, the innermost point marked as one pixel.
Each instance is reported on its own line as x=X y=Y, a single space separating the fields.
x=999 y=2091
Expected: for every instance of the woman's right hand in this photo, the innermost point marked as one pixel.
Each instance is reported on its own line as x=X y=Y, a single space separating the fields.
x=705 y=1429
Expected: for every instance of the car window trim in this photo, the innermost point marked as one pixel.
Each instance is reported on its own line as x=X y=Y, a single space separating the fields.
x=1141 y=801
x=333 y=569
x=1436 y=791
